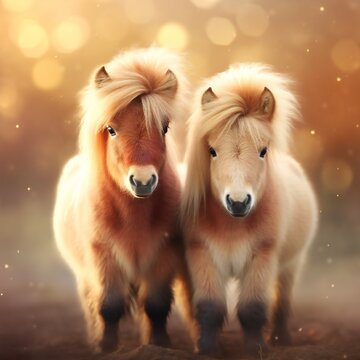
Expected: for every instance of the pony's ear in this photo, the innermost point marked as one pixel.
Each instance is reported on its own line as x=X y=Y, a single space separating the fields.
x=171 y=82
x=208 y=96
x=101 y=77
x=266 y=104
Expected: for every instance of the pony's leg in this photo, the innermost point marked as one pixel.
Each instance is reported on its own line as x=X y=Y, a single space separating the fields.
x=209 y=297
x=155 y=307
x=156 y=297
x=257 y=282
x=92 y=319
x=108 y=298
x=280 y=334
x=103 y=306
x=111 y=309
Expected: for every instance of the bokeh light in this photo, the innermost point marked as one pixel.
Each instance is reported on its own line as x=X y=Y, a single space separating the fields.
x=220 y=31
x=17 y=5
x=204 y=4
x=30 y=37
x=140 y=11
x=106 y=25
x=346 y=55
x=47 y=74
x=252 y=19
x=308 y=146
x=71 y=34
x=299 y=37
x=336 y=175
x=173 y=36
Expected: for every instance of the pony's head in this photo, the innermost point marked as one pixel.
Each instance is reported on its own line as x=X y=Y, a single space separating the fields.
x=238 y=154
x=135 y=154
x=129 y=105
x=239 y=122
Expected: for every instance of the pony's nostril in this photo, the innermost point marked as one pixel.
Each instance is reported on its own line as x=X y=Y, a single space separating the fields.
x=152 y=180
x=133 y=181
x=247 y=201
x=229 y=200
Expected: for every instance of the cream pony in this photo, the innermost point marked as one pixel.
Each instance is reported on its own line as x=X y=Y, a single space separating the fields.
x=249 y=210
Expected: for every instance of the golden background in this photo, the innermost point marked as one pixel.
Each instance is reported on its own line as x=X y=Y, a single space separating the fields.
x=48 y=50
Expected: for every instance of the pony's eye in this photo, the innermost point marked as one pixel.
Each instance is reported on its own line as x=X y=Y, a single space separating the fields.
x=212 y=152
x=263 y=152
x=165 y=127
x=111 y=131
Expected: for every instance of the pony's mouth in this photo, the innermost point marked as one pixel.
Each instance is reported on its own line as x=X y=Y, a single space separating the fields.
x=142 y=196
x=143 y=193
x=238 y=214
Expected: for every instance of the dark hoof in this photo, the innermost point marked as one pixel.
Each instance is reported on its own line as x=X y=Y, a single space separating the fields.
x=256 y=348
x=160 y=340
x=109 y=344
x=208 y=347
x=281 y=338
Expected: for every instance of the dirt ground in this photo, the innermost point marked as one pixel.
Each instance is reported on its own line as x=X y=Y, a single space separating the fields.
x=43 y=323
x=55 y=331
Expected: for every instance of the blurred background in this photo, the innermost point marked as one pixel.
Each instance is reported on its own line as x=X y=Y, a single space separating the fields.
x=48 y=50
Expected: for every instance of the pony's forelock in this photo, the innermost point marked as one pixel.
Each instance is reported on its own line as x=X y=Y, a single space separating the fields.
x=232 y=88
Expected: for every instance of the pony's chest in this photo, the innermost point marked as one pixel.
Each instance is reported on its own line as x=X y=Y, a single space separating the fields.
x=135 y=249
x=136 y=230
x=229 y=256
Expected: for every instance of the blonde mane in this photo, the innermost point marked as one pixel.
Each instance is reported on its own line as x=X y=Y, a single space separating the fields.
x=238 y=89
x=139 y=73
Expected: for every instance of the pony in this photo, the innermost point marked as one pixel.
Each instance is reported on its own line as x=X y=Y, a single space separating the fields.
x=117 y=204
x=248 y=210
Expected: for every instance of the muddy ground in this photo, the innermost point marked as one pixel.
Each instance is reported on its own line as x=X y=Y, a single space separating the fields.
x=43 y=320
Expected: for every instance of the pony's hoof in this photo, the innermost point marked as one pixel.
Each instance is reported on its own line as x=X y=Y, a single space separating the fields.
x=256 y=348
x=109 y=344
x=162 y=340
x=208 y=348
x=281 y=338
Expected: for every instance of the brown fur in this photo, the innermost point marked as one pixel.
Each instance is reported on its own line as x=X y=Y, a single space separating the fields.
x=113 y=241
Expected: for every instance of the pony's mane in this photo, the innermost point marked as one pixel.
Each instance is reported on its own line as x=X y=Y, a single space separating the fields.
x=141 y=73
x=238 y=91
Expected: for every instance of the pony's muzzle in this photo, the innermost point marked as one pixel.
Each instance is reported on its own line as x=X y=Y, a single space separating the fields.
x=238 y=208
x=141 y=189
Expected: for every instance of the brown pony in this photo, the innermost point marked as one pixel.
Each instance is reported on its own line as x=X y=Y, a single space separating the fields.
x=117 y=204
x=248 y=206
